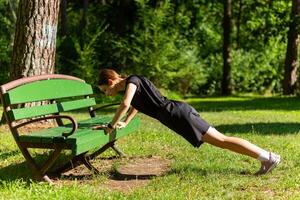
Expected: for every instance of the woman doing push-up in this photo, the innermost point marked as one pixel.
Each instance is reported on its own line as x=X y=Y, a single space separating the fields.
x=141 y=95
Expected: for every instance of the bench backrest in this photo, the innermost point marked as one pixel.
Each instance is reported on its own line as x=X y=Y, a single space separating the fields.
x=56 y=88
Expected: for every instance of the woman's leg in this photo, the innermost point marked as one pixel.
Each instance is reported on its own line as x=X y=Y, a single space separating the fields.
x=268 y=160
x=238 y=145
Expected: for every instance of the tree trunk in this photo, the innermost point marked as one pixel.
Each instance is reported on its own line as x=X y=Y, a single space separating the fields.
x=226 y=86
x=83 y=23
x=291 y=59
x=63 y=18
x=125 y=16
x=35 y=38
x=238 y=25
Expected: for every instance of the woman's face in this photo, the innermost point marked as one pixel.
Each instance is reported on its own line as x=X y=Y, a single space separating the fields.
x=108 y=90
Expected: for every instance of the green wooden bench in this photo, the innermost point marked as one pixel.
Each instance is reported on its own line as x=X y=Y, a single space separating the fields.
x=63 y=93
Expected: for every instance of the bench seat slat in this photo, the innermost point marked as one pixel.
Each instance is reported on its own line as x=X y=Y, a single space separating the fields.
x=29 y=112
x=85 y=142
x=84 y=139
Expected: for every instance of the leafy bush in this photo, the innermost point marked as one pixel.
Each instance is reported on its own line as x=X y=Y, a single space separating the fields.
x=178 y=44
x=259 y=71
x=158 y=50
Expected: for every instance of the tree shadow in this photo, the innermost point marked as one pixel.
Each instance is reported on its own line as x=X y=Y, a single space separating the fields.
x=16 y=171
x=260 y=103
x=261 y=128
x=5 y=155
x=115 y=175
x=22 y=170
x=206 y=172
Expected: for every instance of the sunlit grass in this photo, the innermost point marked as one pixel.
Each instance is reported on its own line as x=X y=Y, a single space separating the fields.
x=205 y=173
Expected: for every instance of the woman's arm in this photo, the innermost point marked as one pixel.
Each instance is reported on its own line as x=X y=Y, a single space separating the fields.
x=132 y=112
x=125 y=104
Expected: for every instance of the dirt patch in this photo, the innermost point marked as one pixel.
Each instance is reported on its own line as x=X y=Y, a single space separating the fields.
x=37 y=126
x=141 y=168
x=125 y=186
x=124 y=175
x=137 y=172
x=30 y=127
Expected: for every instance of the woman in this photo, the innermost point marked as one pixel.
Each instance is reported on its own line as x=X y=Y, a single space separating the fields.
x=141 y=95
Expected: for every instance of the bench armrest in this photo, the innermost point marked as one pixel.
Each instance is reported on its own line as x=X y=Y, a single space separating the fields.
x=105 y=106
x=73 y=121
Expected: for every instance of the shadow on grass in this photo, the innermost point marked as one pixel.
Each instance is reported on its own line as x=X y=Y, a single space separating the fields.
x=186 y=169
x=5 y=155
x=261 y=128
x=266 y=103
x=22 y=170
x=17 y=171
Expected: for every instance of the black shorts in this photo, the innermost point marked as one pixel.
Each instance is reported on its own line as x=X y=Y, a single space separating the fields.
x=185 y=121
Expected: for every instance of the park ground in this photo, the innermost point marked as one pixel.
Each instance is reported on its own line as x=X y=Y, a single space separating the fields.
x=188 y=173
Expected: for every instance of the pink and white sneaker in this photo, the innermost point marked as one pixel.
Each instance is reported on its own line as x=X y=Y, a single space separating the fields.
x=268 y=166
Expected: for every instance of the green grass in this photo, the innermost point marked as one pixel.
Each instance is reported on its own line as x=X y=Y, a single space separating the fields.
x=205 y=173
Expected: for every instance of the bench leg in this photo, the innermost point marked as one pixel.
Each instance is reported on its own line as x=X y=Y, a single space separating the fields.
x=51 y=160
x=40 y=172
x=89 y=165
x=85 y=159
x=74 y=162
x=78 y=160
x=118 y=151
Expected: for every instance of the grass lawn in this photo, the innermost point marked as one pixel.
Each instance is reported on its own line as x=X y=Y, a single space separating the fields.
x=206 y=173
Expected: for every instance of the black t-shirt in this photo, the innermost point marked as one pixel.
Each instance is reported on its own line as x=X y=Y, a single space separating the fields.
x=178 y=116
x=147 y=98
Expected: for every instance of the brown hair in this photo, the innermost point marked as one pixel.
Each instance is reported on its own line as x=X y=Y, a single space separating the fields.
x=106 y=74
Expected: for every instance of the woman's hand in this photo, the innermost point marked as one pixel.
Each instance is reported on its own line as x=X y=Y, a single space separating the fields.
x=121 y=125
x=107 y=130
x=99 y=127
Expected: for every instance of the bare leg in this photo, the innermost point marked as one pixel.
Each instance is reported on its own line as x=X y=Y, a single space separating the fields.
x=238 y=145
x=268 y=160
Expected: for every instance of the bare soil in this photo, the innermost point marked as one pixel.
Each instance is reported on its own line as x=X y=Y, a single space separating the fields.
x=124 y=174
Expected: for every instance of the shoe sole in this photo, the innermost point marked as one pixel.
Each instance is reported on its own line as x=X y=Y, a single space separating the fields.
x=274 y=165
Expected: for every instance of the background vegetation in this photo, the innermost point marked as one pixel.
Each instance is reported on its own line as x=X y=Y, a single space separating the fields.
x=178 y=45
x=180 y=41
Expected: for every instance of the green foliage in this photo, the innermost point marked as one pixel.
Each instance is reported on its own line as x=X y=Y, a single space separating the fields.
x=177 y=44
x=87 y=62
x=7 y=22
x=158 y=50
x=262 y=72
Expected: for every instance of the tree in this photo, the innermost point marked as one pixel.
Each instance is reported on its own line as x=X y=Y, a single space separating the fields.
x=35 y=38
x=238 y=23
x=63 y=18
x=291 y=59
x=83 y=22
x=226 y=88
